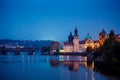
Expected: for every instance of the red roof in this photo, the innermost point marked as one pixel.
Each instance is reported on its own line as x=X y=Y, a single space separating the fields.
x=96 y=41
x=68 y=43
x=54 y=45
x=118 y=38
x=82 y=42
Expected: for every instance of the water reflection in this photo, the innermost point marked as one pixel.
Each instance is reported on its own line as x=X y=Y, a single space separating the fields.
x=72 y=65
x=51 y=68
x=69 y=58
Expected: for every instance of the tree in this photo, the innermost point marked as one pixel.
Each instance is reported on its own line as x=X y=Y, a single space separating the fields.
x=110 y=49
x=46 y=49
x=108 y=45
x=112 y=35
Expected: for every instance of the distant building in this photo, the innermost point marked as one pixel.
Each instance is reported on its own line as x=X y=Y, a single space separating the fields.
x=72 y=45
x=102 y=37
x=75 y=45
x=68 y=47
x=54 y=46
x=61 y=47
x=70 y=37
x=118 y=37
x=88 y=42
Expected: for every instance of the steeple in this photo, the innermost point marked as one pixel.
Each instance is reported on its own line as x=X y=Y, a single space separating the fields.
x=102 y=37
x=102 y=32
x=70 y=33
x=70 y=37
x=76 y=41
x=76 y=31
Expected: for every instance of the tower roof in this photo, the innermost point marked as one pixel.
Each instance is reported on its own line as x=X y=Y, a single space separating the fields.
x=102 y=32
x=70 y=34
x=76 y=31
x=70 y=37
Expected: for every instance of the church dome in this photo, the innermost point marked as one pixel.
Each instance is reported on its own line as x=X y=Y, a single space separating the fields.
x=88 y=37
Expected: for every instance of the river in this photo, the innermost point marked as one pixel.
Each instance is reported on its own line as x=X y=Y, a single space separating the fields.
x=45 y=67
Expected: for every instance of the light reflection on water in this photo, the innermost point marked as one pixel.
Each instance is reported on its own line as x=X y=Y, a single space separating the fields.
x=39 y=67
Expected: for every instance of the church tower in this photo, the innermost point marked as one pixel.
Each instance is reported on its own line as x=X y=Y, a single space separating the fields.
x=70 y=37
x=102 y=37
x=76 y=40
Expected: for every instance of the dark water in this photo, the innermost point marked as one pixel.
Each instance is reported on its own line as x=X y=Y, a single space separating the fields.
x=39 y=67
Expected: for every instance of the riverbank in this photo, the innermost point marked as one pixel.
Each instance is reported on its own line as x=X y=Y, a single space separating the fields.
x=71 y=54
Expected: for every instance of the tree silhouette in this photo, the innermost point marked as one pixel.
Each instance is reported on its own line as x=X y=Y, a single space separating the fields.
x=110 y=49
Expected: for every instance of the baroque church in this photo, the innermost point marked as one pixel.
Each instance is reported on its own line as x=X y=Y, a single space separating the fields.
x=75 y=45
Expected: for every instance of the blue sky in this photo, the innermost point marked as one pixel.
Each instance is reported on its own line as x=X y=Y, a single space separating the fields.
x=54 y=19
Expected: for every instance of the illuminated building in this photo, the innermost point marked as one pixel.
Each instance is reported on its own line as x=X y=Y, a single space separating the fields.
x=74 y=45
x=54 y=46
x=76 y=41
x=68 y=46
x=118 y=37
x=102 y=37
x=61 y=47
x=88 y=42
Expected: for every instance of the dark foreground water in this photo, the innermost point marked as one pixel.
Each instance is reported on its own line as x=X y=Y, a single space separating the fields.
x=39 y=67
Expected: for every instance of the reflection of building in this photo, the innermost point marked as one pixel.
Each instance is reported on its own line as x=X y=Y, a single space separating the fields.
x=72 y=65
x=76 y=65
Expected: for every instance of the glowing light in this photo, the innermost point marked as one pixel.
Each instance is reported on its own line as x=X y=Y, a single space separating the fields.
x=61 y=51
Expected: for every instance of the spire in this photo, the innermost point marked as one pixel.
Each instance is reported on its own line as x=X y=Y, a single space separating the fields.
x=70 y=33
x=102 y=32
x=88 y=34
x=76 y=31
x=70 y=37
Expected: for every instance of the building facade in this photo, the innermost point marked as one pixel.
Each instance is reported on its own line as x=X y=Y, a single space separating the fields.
x=102 y=37
x=54 y=46
x=75 y=45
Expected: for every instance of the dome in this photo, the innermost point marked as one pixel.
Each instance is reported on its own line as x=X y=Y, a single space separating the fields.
x=88 y=37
